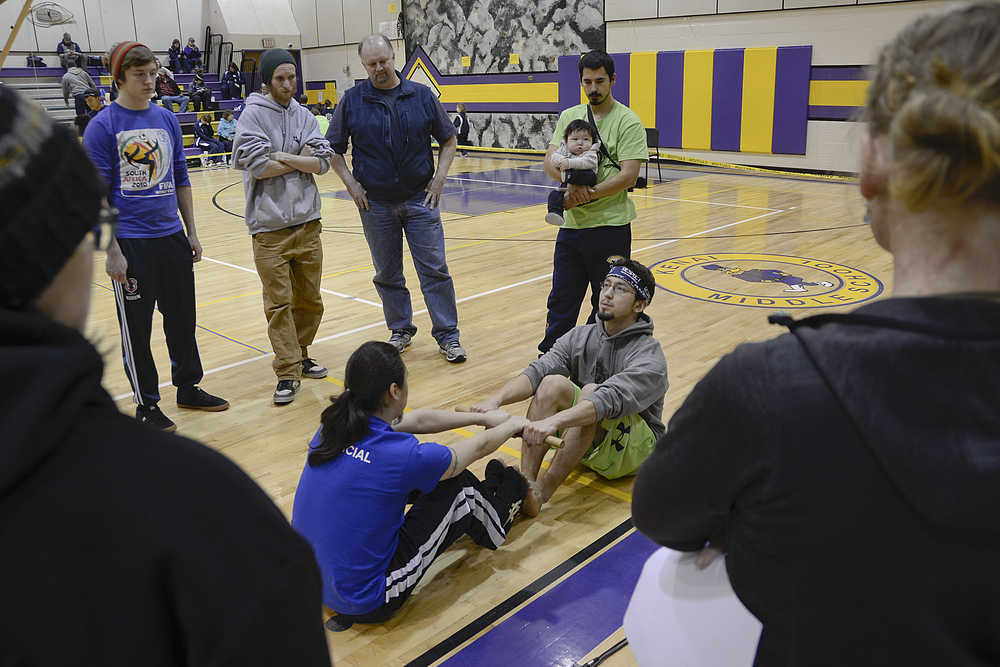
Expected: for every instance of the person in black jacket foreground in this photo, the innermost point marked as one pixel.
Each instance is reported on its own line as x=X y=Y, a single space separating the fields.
x=122 y=545
x=856 y=460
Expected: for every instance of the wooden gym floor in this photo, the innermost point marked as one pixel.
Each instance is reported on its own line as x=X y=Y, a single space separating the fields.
x=556 y=592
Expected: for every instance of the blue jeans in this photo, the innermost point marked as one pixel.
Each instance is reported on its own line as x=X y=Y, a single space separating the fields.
x=384 y=227
x=183 y=100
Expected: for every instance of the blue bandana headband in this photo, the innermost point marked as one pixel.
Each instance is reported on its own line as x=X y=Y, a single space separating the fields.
x=633 y=280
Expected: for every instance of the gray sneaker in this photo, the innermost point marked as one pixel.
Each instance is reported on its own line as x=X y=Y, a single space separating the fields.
x=285 y=392
x=400 y=339
x=453 y=352
x=310 y=369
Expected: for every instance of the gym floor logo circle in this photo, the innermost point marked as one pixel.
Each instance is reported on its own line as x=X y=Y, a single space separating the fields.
x=765 y=281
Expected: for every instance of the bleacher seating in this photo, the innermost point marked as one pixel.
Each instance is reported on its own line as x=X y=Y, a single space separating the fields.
x=43 y=84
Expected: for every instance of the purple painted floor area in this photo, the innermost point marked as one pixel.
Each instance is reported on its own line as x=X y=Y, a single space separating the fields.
x=569 y=621
x=482 y=192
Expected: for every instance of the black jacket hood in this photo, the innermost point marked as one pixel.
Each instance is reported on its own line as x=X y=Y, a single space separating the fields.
x=49 y=374
x=920 y=380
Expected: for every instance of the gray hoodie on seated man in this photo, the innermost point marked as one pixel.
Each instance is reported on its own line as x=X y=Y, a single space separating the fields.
x=279 y=148
x=601 y=387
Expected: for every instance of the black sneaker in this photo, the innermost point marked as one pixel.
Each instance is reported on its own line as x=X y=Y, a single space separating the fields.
x=453 y=352
x=150 y=415
x=285 y=393
x=509 y=495
x=196 y=398
x=494 y=474
x=400 y=339
x=310 y=369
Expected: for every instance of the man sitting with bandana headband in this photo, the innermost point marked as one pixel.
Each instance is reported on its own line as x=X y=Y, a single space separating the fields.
x=601 y=386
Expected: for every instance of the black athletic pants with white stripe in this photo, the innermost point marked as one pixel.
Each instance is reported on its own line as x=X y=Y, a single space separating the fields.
x=160 y=273
x=457 y=506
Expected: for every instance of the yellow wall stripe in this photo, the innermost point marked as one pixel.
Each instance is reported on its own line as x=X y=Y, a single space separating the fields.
x=642 y=86
x=838 y=93
x=500 y=92
x=757 y=122
x=696 y=114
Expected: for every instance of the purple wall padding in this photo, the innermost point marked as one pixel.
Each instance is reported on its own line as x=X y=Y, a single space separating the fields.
x=569 y=82
x=791 y=99
x=669 y=97
x=727 y=99
x=622 y=76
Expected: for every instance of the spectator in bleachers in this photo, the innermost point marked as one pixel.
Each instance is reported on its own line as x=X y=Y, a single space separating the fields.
x=67 y=46
x=169 y=92
x=232 y=83
x=94 y=103
x=227 y=130
x=192 y=56
x=324 y=124
x=76 y=83
x=205 y=138
x=177 y=57
x=70 y=59
x=201 y=96
x=328 y=110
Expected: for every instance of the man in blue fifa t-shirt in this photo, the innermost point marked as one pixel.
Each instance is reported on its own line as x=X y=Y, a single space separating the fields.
x=138 y=149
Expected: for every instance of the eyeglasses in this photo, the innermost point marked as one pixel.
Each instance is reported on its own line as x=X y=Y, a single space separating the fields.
x=106 y=229
x=619 y=289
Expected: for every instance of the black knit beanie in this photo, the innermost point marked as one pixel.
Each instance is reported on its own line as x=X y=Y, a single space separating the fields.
x=50 y=197
x=269 y=62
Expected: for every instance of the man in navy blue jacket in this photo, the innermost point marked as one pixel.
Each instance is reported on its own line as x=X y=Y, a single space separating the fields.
x=389 y=122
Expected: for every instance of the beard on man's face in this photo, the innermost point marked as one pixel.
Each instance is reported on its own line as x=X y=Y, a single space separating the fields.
x=605 y=315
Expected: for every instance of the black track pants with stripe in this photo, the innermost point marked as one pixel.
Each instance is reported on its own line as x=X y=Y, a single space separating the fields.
x=457 y=506
x=160 y=273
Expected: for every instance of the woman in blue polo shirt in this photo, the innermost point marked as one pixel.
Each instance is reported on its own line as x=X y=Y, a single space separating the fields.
x=365 y=465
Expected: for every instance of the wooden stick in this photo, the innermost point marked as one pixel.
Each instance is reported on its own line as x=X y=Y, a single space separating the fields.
x=14 y=30
x=550 y=440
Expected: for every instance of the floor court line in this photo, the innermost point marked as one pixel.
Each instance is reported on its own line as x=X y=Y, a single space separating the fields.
x=462 y=300
x=322 y=289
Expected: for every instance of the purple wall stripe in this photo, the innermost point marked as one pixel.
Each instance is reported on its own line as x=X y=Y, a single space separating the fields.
x=839 y=73
x=834 y=113
x=669 y=97
x=727 y=95
x=569 y=82
x=316 y=85
x=791 y=100
x=510 y=107
x=622 y=75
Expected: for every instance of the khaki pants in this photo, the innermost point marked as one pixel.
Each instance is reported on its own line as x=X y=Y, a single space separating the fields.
x=290 y=264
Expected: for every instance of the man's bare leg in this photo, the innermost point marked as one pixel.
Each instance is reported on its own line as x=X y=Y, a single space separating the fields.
x=554 y=394
x=576 y=442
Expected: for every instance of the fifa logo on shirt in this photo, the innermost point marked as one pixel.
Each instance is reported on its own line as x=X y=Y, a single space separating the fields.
x=144 y=162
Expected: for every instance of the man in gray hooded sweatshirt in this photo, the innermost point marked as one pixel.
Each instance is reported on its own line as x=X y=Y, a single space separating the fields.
x=601 y=385
x=78 y=84
x=278 y=146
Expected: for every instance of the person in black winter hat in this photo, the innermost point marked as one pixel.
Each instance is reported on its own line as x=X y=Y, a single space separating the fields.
x=160 y=550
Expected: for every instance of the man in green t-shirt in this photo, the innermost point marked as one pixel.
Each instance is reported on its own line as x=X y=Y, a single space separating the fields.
x=596 y=227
